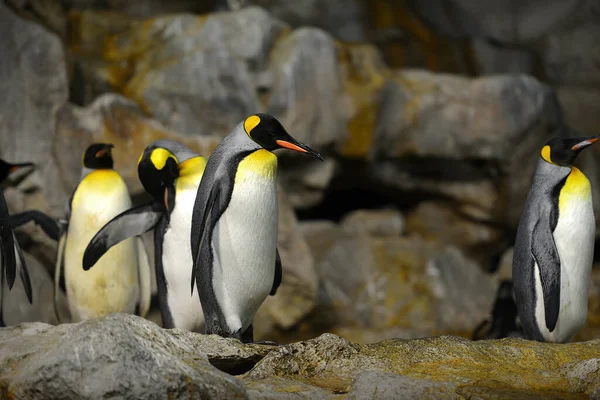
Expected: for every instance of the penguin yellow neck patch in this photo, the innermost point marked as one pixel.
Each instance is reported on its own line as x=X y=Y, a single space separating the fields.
x=250 y=123
x=160 y=156
x=261 y=163
x=190 y=173
x=577 y=187
x=545 y=153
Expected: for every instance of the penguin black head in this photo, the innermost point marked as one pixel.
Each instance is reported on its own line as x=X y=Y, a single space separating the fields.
x=268 y=132
x=7 y=168
x=98 y=156
x=157 y=170
x=563 y=151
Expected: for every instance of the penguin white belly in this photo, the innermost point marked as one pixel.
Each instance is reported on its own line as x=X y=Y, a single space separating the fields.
x=112 y=285
x=574 y=238
x=185 y=308
x=244 y=244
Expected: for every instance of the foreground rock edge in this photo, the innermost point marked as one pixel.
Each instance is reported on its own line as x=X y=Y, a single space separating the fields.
x=332 y=365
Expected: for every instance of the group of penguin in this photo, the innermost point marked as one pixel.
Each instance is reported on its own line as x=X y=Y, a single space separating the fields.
x=215 y=232
x=215 y=236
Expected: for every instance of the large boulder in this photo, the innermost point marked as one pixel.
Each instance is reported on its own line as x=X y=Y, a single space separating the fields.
x=117 y=356
x=475 y=141
x=374 y=287
x=439 y=367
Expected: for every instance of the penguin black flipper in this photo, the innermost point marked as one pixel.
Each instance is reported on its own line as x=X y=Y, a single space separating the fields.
x=133 y=222
x=278 y=273
x=23 y=273
x=546 y=256
x=7 y=244
x=47 y=223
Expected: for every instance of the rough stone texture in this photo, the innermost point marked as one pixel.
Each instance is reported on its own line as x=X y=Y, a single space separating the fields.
x=307 y=82
x=116 y=356
x=204 y=81
x=343 y=19
x=490 y=125
x=388 y=222
x=361 y=278
x=34 y=79
x=571 y=56
x=16 y=307
x=387 y=386
x=488 y=368
x=517 y=22
x=114 y=119
x=298 y=291
x=439 y=222
x=285 y=389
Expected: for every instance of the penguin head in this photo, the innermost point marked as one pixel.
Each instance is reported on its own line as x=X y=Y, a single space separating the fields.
x=268 y=132
x=157 y=170
x=98 y=156
x=7 y=168
x=563 y=151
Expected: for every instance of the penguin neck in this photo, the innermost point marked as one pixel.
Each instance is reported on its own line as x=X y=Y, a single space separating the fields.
x=85 y=171
x=260 y=163
x=544 y=168
x=190 y=173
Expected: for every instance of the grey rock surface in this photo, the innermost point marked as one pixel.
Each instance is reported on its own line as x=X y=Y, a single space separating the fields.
x=117 y=356
x=33 y=77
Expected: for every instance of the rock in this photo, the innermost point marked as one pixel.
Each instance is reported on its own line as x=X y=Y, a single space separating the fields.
x=15 y=306
x=320 y=235
x=284 y=389
x=488 y=124
x=493 y=59
x=342 y=19
x=377 y=287
x=116 y=356
x=370 y=385
x=114 y=119
x=34 y=73
x=515 y=368
x=297 y=294
x=463 y=292
x=307 y=86
x=203 y=82
x=440 y=223
x=146 y=9
x=569 y=55
x=516 y=23
x=387 y=222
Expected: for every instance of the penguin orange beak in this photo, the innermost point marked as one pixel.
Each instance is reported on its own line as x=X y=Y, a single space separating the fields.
x=105 y=151
x=299 y=147
x=582 y=145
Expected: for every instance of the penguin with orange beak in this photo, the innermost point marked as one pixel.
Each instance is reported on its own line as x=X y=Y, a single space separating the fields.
x=234 y=226
x=554 y=247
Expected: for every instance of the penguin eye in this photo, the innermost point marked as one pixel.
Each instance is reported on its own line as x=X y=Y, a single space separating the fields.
x=251 y=123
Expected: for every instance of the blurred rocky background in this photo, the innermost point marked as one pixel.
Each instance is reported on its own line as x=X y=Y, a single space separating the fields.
x=430 y=116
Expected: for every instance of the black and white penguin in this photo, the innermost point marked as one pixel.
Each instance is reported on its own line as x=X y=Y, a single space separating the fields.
x=554 y=246
x=234 y=226
x=12 y=261
x=121 y=280
x=170 y=172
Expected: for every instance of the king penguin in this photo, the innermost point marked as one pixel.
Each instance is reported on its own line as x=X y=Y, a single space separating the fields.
x=121 y=280
x=554 y=245
x=234 y=226
x=170 y=172
x=11 y=257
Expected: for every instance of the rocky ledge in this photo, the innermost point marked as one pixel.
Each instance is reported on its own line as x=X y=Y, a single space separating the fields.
x=123 y=356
